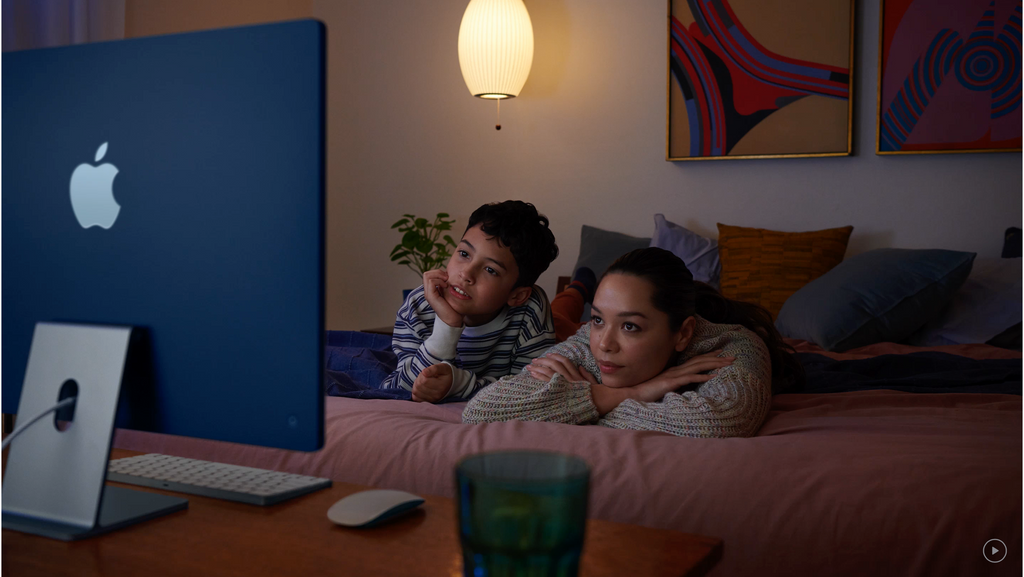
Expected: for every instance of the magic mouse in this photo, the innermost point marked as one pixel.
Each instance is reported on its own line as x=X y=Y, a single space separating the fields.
x=370 y=508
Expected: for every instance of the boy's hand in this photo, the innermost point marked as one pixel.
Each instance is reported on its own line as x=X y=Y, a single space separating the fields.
x=435 y=285
x=432 y=384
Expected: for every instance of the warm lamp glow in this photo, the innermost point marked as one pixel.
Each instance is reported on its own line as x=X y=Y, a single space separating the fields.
x=495 y=47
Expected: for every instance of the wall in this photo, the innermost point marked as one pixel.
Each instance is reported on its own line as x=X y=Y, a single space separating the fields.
x=29 y=24
x=585 y=142
x=151 y=17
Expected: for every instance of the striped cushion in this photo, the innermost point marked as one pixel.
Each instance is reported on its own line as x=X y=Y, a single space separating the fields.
x=765 y=267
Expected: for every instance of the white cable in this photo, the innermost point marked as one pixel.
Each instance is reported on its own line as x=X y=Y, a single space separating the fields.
x=18 y=430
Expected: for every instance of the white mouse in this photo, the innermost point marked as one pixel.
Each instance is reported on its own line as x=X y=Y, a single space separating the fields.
x=369 y=508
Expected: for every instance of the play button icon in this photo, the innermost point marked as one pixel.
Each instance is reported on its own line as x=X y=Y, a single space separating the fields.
x=994 y=550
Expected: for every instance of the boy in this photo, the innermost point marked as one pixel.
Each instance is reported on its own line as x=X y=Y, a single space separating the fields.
x=480 y=318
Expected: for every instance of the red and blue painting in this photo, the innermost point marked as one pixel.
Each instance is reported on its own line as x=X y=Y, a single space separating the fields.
x=949 y=76
x=759 y=78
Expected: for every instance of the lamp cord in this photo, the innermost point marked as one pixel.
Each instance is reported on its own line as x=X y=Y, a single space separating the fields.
x=497 y=126
x=19 y=430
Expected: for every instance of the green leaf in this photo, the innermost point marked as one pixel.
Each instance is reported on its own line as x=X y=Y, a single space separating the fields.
x=403 y=262
x=411 y=239
x=424 y=246
x=421 y=222
x=400 y=223
x=442 y=215
x=450 y=240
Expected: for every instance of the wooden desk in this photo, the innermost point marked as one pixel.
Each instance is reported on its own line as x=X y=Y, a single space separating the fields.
x=215 y=537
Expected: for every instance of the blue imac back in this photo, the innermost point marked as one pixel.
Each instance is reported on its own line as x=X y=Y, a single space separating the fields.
x=175 y=184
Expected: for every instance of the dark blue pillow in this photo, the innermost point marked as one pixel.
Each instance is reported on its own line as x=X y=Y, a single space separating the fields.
x=881 y=295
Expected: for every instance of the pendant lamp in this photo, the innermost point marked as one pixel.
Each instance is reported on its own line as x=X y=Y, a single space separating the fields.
x=495 y=48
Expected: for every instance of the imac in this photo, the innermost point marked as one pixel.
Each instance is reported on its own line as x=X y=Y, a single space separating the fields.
x=171 y=188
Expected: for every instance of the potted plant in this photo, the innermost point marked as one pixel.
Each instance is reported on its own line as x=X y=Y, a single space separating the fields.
x=424 y=246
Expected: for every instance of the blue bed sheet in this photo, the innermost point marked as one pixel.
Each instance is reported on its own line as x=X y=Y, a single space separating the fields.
x=924 y=372
x=356 y=363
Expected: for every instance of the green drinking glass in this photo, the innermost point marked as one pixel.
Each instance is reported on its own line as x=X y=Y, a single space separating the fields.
x=521 y=513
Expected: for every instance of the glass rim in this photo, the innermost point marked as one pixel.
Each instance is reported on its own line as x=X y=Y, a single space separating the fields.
x=582 y=472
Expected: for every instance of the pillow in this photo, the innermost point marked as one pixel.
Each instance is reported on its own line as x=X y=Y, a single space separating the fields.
x=599 y=248
x=1012 y=243
x=986 y=305
x=700 y=254
x=765 y=267
x=882 y=295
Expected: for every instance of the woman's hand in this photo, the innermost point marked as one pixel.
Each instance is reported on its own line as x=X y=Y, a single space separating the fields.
x=679 y=376
x=544 y=368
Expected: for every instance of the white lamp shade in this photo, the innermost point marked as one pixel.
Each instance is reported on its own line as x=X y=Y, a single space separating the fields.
x=495 y=47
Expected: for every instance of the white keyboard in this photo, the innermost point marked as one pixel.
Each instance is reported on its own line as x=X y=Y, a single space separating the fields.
x=209 y=479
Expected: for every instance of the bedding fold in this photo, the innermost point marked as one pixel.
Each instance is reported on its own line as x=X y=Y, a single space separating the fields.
x=923 y=372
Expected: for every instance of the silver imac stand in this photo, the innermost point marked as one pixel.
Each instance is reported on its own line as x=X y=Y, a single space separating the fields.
x=54 y=483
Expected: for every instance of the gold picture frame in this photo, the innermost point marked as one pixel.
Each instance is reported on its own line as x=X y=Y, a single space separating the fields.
x=790 y=106
x=902 y=108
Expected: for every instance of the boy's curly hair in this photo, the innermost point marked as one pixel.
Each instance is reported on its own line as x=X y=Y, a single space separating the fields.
x=518 y=225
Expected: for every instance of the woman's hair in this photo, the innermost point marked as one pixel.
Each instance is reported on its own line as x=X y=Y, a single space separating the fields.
x=680 y=297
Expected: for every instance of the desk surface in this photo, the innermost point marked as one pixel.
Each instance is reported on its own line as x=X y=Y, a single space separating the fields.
x=215 y=537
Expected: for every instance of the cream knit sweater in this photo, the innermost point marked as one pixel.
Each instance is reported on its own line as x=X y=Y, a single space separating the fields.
x=732 y=404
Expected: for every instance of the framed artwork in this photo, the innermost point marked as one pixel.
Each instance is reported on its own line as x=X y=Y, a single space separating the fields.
x=949 y=76
x=759 y=78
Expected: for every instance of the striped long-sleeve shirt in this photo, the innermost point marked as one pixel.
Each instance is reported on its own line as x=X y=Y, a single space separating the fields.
x=478 y=355
x=733 y=404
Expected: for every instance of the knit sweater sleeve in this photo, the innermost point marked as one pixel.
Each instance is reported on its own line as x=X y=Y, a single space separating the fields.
x=524 y=398
x=734 y=403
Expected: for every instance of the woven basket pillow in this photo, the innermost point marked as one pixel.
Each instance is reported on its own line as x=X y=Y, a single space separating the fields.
x=765 y=267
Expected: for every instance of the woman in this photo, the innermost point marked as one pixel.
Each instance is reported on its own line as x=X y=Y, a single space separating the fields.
x=661 y=353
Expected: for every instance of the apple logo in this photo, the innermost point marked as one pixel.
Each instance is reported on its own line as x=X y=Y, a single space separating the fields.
x=92 y=193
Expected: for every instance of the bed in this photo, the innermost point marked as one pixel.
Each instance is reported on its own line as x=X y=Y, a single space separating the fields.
x=897 y=459
x=845 y=483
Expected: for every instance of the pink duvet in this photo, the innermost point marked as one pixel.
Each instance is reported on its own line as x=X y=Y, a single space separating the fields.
x=862 y=483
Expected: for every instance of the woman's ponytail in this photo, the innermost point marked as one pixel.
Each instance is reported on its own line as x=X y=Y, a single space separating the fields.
x=787 y=372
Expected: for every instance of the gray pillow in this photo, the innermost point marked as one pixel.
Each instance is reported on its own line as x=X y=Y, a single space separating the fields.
x=599 y=248
x=881 y=295
x=986 y=305
x=698 y=253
